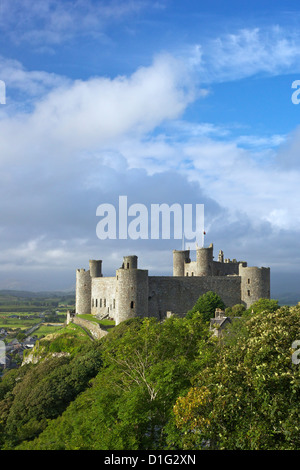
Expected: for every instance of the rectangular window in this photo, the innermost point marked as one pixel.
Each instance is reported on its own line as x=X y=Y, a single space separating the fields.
x=248 y=281
x=96 y=303
x=104 y=302
x=100 y=303
x=248 y=293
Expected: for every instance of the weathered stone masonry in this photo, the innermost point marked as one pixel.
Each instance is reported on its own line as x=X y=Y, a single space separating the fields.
x=132 y=292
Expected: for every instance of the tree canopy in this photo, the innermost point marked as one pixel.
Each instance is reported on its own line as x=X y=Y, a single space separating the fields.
x=250 y=399
x=161 y=385
x=207 y=305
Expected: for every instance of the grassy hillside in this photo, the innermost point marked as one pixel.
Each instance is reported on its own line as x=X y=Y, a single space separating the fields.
x=151 y=385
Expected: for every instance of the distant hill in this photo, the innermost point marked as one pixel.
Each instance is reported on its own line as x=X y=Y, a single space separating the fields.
x=29 y=294
x=12 y=299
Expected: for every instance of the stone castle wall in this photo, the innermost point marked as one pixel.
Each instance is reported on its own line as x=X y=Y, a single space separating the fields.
x=179 y=294
x=133 y=293
x=225 y=269
x=103 y=296
x=94 y=328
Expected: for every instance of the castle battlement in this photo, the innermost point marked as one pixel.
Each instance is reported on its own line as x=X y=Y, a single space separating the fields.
x=133 y=293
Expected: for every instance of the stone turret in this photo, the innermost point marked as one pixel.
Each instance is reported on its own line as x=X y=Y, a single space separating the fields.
x=255 y=284
x=131 y=291
x=95 y=268
x=205 y=261
x=180 y=257
x=130 y=262
x=83 y=292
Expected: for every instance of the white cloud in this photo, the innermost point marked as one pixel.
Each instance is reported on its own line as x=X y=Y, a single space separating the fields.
x=89 y=114
x=86 y=141
x=261 y=142
x=35 y=83
x=241 y=180
x=288 y=154
x=52 y=22
x=85 y=129
x=245 y=53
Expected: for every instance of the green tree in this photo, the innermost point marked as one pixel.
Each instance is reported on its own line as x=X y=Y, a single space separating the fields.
x=250 y=399
x=261 y=305
x=235 y=311
x=153 y=366
x=146 y=366
x=206 y=305
x=21 y=336
x=44 y=393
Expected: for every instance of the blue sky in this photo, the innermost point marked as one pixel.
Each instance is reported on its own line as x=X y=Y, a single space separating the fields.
x=162 y=101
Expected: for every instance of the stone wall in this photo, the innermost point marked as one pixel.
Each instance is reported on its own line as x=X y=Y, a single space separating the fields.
x=179 y=294
x=190 y=269
x=103 y=295
x=225 y=268
x=132 y=293
x=95 y=329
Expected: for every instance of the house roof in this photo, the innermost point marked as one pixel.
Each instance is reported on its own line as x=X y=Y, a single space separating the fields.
x=214 y=322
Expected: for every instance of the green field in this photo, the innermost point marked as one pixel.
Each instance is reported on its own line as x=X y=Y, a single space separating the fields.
x=45 y=330
x=15 y=323
x=25 y=322
x=20 y=311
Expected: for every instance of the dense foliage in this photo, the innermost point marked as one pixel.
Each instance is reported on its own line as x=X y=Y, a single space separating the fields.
x=207 y=305
x=161 y=385
x=33 y=394
x=250 y=399
x=146 y=365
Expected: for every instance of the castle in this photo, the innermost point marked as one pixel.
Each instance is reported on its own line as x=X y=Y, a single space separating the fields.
x=132 y=292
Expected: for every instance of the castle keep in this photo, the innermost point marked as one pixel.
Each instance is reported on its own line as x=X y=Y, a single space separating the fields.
x=132 y=292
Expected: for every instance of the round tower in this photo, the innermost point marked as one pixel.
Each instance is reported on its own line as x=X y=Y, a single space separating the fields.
x=130 y=262
x=83 y=292
x=255 y=284
x=180 y=257
x=205 y=261
x=131 y=291
x=95 y=267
